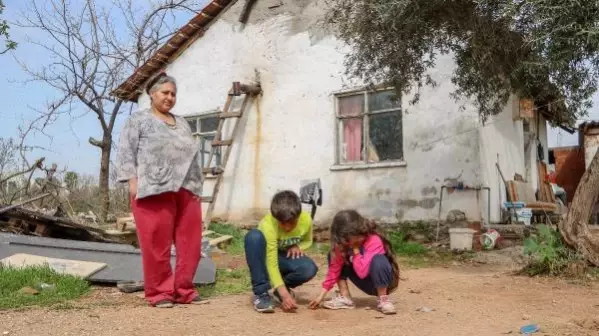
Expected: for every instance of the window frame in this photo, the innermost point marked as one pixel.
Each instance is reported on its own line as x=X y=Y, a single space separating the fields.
x=365 y=115
x=202 y=135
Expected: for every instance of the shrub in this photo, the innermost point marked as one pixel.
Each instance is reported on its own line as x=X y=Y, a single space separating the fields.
x=547 y=253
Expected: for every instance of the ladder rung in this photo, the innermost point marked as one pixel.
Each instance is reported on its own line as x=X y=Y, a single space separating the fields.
x=213 y=170
x=206 y=199
x=210 y=177
x=217 y=143
x=226 y=115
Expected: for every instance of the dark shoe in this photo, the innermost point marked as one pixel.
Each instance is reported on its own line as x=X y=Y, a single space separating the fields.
x=263 y=303
x=198 y=301
x=164 y=304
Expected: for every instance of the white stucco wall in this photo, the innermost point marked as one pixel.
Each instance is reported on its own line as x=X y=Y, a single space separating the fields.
x=288 y=135
x=502 y=142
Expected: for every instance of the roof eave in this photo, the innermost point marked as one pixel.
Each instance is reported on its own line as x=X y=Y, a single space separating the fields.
x=132 y=87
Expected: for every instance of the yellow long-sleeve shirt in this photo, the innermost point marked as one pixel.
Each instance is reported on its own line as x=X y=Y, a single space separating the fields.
x=277 y=239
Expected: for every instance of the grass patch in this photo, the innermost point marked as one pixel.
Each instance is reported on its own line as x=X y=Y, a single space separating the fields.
x=228 y=282
x=548 y=255
x=235 y=246
x=320 y=248
x=433 y=258
x=403 y=247
x=12 y=280
x=416 y=255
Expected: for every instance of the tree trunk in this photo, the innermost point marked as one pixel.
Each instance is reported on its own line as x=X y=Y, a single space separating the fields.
x=573 y=227
x=105 y=177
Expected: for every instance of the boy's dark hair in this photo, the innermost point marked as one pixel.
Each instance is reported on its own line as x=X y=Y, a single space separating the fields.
x=285 y=206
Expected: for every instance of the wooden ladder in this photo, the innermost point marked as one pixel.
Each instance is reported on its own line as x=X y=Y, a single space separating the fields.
x=249 y=91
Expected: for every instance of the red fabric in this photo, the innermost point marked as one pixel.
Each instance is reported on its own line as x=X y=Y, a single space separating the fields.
x=160 y=221
x=352 y=106
x=352 y=134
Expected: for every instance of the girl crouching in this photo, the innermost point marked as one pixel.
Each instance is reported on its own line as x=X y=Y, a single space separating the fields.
x=365 y=257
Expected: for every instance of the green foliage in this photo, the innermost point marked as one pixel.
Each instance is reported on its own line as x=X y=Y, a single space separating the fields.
x=228 y=282
x=236 y=245
x=12 y=280
x=544 y=49
x=403 y=247
x=548 y=254
x=71 y=179
x=4 y=32
x=320 y=248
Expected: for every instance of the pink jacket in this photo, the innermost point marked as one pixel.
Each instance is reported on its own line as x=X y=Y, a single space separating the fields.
x=372 y=246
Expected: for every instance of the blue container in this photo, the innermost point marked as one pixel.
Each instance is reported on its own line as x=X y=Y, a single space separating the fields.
x=513 y=205
x=530 y=329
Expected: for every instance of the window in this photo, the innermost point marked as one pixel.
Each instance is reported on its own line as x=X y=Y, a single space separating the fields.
x=204 y=127
x=369 y=127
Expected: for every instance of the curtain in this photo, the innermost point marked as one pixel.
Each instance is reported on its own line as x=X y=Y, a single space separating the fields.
x=352 y=106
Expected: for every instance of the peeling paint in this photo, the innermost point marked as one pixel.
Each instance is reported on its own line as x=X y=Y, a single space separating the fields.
x=378 y=208
x=303 y=16
x=407 y=203
x=428 y=203
x=425 y=203
x=429 y=191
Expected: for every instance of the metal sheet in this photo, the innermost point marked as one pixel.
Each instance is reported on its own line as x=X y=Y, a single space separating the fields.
x=123 y=261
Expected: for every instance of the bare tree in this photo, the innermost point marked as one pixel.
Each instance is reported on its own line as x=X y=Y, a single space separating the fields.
x=8 y=155
x=91 y=49
x=15 y=174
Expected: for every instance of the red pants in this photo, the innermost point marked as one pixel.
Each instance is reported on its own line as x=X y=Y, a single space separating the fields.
x=160 y=220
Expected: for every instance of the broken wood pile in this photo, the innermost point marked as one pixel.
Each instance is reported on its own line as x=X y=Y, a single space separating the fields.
x=20 y=220
x=125 y=226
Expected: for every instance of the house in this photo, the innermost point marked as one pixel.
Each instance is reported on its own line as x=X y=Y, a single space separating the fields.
x=569 y=165
x=572 y=162
x=386 y=158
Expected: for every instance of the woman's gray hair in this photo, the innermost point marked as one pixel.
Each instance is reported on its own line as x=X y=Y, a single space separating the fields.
x=155 y=83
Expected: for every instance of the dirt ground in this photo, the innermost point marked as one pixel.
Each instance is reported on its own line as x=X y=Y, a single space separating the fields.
x=466 y=300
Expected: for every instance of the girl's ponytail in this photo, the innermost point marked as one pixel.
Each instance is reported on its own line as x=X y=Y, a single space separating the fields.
x=389 y=253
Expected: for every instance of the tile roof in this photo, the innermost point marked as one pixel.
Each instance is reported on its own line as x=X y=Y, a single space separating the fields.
x=131 y=89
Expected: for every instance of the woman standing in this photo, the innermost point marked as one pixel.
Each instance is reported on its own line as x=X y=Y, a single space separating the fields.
x=157 y=156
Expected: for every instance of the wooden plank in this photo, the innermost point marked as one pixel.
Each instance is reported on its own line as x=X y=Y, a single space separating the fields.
x=213 y=170
x=219 y=127
x=78 y=268
x=222 y=143
x=124 y=220
x=230 y=115
x=207 y=233
x=225 y=159
x=42 y=230
x=220 y=240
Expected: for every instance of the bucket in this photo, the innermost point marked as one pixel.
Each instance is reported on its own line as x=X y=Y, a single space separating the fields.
x=489 y=239
x=461 y=239
x=524 y=215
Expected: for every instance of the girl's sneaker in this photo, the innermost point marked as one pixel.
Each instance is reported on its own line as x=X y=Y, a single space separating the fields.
x=339 y=302
x=385 y=306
